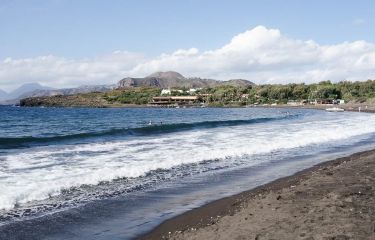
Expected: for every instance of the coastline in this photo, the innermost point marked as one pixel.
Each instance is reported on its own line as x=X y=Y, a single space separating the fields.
x=347 y=107
x=330 y=199
x=369 y=108
x=179 y=194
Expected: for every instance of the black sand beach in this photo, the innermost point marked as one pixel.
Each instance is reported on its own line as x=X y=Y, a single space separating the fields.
x=332 y=200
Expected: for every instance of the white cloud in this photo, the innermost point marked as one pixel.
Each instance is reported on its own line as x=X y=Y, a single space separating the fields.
x=261 y=55
x=60 y=72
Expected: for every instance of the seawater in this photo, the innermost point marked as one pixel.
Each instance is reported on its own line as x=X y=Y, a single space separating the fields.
x=57 y=164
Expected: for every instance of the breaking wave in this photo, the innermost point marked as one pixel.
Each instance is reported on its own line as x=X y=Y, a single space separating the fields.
x=153 y=128
x=45 y=171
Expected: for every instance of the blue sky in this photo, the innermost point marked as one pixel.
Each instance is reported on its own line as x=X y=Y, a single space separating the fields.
x=67 y=43
x=86 y=28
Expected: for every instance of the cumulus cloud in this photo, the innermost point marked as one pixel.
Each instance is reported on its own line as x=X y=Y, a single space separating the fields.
x=261 y=55
x=61 y=72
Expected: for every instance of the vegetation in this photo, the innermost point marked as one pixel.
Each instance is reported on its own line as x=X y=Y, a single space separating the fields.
x=141 y=95
x=224 y=95
x=276 y=93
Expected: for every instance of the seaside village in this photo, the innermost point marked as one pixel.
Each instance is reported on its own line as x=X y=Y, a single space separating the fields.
x=194 y=98
x=177 y=97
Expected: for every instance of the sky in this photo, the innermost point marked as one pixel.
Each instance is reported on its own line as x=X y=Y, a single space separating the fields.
x=67 y=43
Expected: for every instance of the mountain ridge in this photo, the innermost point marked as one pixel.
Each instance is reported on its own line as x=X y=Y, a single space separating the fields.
x=27 y=87
x=68 y=91
x=171 y=79
x=48 y=92
x=21 y=90
x=168 y=79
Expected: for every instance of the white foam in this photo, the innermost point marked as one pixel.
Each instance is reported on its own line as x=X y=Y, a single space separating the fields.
x=45 y=171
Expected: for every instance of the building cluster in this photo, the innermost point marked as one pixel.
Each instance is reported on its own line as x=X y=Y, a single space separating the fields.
x=192 y=97
x=315 y=102
x=188 y=97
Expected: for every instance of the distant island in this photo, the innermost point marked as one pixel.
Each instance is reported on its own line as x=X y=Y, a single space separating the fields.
x=170 y=89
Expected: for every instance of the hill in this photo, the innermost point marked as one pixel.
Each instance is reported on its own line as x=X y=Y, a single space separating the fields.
x=159 y=80
x=222 y=95
x=68 y=91
x=26 y=88
x=21 y=92
x=49 y=92
x=172 y=79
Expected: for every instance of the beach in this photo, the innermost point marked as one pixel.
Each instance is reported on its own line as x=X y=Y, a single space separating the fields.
x=117 y=179
x=184 y=120
x=332 y=200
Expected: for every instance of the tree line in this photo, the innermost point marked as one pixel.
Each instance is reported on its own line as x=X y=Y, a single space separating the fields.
x=262 y=94
x=278 y=93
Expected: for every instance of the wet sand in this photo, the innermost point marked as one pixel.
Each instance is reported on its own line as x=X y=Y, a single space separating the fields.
x=332 y=200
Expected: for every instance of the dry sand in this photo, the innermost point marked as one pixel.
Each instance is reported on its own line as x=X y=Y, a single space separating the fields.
x=333 y=200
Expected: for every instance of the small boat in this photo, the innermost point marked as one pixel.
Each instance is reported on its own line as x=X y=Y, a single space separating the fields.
x=335 y=109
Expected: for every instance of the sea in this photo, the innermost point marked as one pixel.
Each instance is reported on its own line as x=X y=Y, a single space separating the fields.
x=85 y=173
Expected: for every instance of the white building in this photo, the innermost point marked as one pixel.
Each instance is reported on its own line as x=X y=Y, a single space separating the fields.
x=166 y=91
x=169 y=91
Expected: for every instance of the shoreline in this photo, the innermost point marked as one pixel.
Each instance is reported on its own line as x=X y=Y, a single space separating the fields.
x=346 y=107
x=216 y=217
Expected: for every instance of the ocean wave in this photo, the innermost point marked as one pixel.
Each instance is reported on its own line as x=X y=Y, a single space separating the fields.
x=41 y=172
x=146 y=129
